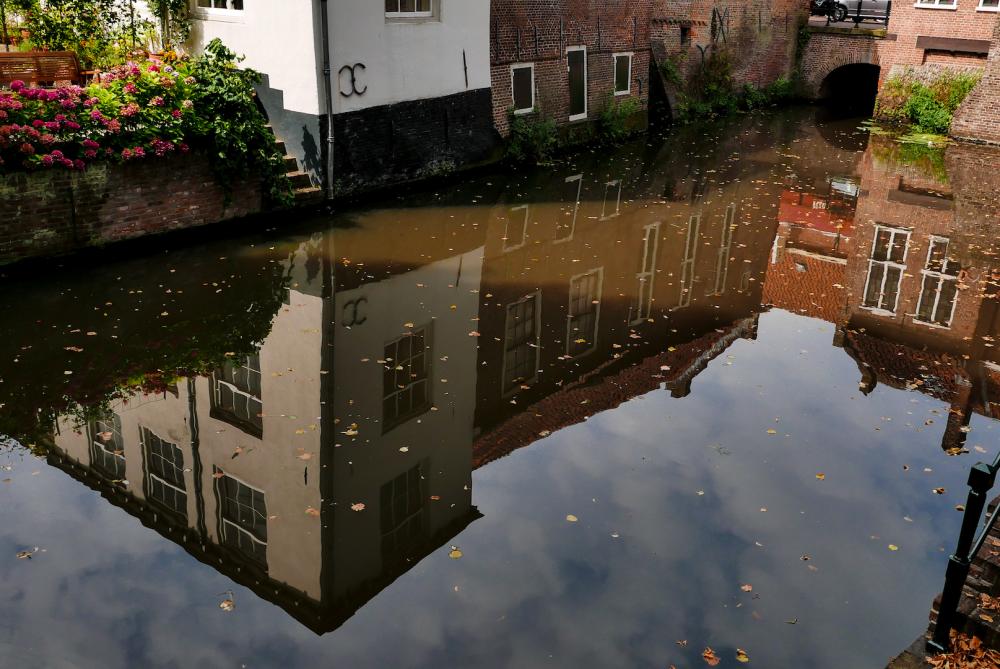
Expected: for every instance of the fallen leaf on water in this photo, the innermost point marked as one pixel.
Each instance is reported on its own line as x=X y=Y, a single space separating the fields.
x=304 y=456
x=683 y=643
x=746 y=587
x=218 y=475
x=229 y=603
x=404 y=449
x=358 y=506
x=772 y=431
x=741 y=656
x=938 y=491
x=711 y=659
x=312 y=512
x=455 y=553
x=893 y=547
x=821 y=476
x=571 y=518
x=26 y=555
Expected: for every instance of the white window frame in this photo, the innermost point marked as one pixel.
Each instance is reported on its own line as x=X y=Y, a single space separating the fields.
x=227 y=14
x=687 y=263
x=578 y=178
x=523 y=110
x=608 y=188
x=570 y=338
x=537 y=297
x=144 y=434
x=936 y=4
x=940 y=277
x=586 y=83
x=524 y=234
x=225 y=523
x=646 y=278
x=901 y=266
x=725 y=248
x=614 y=70
x=983 y=8
x=413 y=15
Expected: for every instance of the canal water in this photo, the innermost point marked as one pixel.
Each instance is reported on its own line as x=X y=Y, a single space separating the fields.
x=714 y=390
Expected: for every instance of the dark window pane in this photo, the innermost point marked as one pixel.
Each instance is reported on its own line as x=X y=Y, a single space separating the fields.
x=522 y=88
x=622 y=67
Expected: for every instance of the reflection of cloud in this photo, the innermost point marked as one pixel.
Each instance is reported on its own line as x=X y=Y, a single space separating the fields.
x=533 y=590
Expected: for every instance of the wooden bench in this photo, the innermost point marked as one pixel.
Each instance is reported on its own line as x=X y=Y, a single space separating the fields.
x=41 y=68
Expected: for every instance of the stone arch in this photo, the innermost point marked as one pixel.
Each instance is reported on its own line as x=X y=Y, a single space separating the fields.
x=826 y=53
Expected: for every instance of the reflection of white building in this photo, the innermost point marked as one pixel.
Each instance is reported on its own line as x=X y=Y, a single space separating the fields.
x=250 y=468
x=405 y=83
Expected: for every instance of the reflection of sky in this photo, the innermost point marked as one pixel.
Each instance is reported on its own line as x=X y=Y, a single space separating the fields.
x=534 y=590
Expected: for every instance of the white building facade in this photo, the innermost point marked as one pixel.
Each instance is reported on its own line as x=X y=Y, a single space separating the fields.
x=405 y=84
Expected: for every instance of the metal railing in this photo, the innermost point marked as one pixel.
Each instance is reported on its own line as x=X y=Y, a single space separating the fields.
x=982 y=478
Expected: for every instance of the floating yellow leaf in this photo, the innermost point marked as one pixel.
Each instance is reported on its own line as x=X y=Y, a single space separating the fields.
x=741 y=656
x=893 y=547
x=571 y=518
x=455 y=553
x=821 y=476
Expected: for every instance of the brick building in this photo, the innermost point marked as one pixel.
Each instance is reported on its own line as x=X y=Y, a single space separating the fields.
x=567 y=59
x=977 y=118
x=942 y=32
x=759 y=35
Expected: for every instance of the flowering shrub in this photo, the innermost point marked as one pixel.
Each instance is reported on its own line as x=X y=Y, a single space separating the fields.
x=144 y=111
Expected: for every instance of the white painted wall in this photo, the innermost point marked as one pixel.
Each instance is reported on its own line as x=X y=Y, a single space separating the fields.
x=279 y=38
x=411 y=59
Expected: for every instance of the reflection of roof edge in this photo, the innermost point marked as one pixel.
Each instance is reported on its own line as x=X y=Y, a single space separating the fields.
x=318 y=618
x=526 y=427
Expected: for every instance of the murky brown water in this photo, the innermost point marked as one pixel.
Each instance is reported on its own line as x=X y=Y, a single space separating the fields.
x=690 y=393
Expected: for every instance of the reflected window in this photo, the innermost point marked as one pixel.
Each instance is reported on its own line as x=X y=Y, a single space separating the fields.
x=107 y=448
x=515 y=233
x=885 y=269
x=566 y=225
x=623 y=73
x=236 y=396
x=520 y=360
x=408 y=8
x=584 y=312
x=687 y=263
x=939 y=288
x=164 y=472
x=643 y=306
x=725 y=248
x=612 y=193
x=401 y=502
x=243 y=515
x=405 y=386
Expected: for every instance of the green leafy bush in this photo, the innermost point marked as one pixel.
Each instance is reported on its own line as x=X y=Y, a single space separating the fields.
x=928 y=106
x=613 y=122
x=532 y=139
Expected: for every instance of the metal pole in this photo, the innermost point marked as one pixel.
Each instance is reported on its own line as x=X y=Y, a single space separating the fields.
x=981 y=479
x=328 y=91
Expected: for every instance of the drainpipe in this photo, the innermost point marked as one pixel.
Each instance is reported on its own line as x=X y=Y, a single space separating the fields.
x=328 y=89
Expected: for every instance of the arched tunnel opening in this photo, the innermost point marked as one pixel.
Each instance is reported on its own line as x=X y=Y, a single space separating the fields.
x=850 y=90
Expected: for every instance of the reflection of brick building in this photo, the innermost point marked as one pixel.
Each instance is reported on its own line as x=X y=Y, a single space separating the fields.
x=922 y=310
x=567 y=59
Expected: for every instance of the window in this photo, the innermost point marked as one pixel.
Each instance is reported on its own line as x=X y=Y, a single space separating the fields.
x=164 y=472
x=584 y=312
x=243 y=511
x=405 y=389
x=566 y=225
x=687 y=264
x=232 y=5
x=643 y=305
x=989 y=5
x=944 y=4
x=408 y=8
x=236 y=396
x=522 y=83
x=885 y=269
x=725 y=246
x=623 y=73
x=939 y=289
x=401 y=503
x=685 y=35
x=107 y=448
x=612 y=189
x=520 y=360
x=515 y=233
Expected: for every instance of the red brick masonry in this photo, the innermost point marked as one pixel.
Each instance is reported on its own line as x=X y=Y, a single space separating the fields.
x=49 y=213
x=978 y=119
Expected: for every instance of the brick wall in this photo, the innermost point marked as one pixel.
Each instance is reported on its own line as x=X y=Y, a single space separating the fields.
x=978 y=119
x=49 y=213
x=539 y=32
x=828 y=51
x=908 y=22
x=760 y=35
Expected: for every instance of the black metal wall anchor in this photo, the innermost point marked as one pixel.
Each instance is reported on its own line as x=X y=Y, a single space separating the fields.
x=352 y=312
x=353 y=69
x=982 y=478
